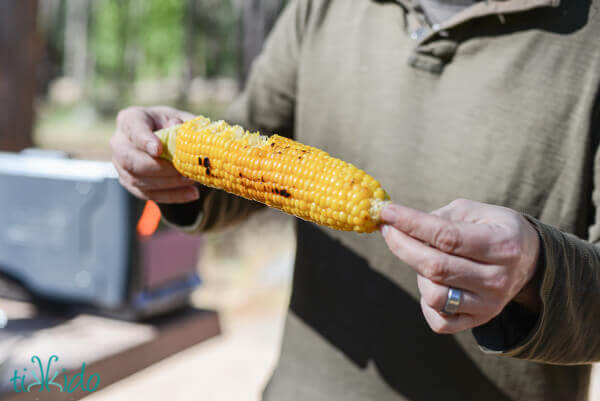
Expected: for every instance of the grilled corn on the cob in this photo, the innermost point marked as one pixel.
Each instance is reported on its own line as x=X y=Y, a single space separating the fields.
x=282 y=173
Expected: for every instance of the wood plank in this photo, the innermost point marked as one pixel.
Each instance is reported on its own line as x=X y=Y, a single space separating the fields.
x=111 y=348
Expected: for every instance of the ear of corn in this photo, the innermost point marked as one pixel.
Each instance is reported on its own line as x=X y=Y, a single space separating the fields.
x=277 y=171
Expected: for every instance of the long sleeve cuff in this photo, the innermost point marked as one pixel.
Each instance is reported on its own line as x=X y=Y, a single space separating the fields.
x=567 y=328
x=186 y=217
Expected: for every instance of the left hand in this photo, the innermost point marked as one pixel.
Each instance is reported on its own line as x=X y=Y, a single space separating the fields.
x=488 y=252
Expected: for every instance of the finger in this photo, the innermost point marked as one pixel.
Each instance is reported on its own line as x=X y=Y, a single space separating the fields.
x=165 y=117
x=153 y=183
x=173 y=196
x=457 y=210
x=447 y=324
x=139 y=163
x=137 y=125
x=169 y=196
x=468 y=211
x=436 y=295
x=475 y=241
x=437 y=266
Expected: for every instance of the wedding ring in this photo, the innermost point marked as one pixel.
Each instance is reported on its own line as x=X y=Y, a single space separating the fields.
x=452 y=301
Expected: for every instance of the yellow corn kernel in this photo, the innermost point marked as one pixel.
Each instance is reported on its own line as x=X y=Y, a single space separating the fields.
x=279 y=172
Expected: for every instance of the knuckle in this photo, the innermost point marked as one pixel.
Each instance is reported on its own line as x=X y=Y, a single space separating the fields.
x=434 y=299
x=435 y=269
x=412 y=226
x=124 y=114
x=439 y=326
x=460 y=203
x=447 y=238
x=127 y=163
x=127 y=181
x=137 y=183
x=498 y=283
x=511 y=248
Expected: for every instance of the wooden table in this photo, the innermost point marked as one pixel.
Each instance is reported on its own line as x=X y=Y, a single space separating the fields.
x=110 y=348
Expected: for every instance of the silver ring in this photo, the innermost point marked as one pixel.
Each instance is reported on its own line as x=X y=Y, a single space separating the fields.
x=452 y=301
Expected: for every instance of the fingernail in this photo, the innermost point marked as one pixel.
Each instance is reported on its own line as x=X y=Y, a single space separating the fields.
x=384 y=229
x=173 y=121
x=152 y=148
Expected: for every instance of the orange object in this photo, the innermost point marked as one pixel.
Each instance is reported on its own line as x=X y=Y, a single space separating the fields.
x=150 y=219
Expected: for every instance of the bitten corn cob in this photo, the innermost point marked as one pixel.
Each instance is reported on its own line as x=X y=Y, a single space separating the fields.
x=282 y=173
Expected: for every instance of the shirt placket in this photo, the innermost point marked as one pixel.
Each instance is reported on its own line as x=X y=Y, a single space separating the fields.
x=434 y=45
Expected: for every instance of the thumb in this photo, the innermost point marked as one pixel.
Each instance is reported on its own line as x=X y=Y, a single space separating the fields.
x=172 y=121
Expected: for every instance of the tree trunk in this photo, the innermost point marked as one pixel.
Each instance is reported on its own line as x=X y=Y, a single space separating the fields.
x=190 y=44
x=76 y=39
x=257 y=20
x=19 y=47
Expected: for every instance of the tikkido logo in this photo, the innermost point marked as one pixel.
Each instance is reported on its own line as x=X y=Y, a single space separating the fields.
x=45 y=381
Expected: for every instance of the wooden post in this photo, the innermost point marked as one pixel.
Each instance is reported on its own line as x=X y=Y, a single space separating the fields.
x=257 y=20
x=76 y=39
x=19 y=48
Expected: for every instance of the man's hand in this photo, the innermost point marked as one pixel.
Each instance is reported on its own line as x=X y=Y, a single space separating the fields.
x=135 y=155
x=488 y=252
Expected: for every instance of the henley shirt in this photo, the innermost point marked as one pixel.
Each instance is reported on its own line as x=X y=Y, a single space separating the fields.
x=498 y=104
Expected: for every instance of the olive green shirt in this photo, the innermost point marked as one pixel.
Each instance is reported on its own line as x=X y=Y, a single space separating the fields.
x=498 y=104
x=437 y=11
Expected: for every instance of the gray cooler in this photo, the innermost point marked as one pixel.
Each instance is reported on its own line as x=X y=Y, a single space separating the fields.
x=68 y=234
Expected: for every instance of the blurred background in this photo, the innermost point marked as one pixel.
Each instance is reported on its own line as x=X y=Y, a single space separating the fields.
x=68 y=66
x=76 y=63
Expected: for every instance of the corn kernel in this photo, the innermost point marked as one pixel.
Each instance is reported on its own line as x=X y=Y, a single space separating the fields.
x=277 y=171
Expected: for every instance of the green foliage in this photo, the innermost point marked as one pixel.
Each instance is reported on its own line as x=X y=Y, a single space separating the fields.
x=161 y=36
x=148 y=36
x=134 y=40
x=137 y=38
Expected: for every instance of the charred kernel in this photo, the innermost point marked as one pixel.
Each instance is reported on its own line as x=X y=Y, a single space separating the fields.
x=317 y=188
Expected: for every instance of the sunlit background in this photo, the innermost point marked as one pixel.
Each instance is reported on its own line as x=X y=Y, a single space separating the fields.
x=97 y=57
x=68 y=66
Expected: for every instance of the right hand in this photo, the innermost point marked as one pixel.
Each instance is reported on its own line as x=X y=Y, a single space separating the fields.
x=135 y=155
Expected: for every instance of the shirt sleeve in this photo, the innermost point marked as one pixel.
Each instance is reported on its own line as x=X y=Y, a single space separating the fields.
x=267 y=104
x=567 y=329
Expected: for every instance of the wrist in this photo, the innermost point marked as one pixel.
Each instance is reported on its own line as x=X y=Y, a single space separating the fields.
x=529 y=296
